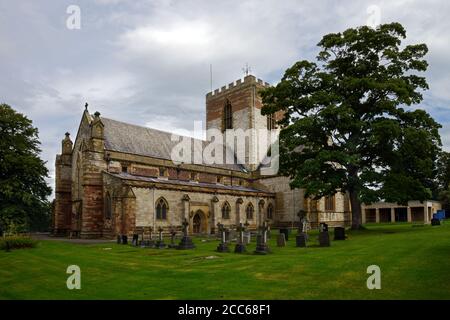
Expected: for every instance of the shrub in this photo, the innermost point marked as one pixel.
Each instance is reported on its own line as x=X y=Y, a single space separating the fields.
x=17 y=242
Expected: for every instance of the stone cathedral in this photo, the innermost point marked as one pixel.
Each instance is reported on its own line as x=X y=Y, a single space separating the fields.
x=117 y=178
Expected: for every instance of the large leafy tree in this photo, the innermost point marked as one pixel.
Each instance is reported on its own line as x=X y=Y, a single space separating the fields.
x=347 y=123
x=23 y=189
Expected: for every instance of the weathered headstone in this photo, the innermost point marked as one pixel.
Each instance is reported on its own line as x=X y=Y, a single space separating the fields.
x=302 y=235
x=435 y=222
x=324 y=236
x=135 y=240
x=261 y=240
x=281 y=241
x=223 y=245
x=160 y=243
x=173 y=233
x=247 y=237
x=186 y=241
x=240 y=245
x=119 y=239
x=339 y=233
x=124 y=239
x=285 y=231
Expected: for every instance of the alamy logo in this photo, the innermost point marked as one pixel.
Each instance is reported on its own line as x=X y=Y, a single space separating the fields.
x=374 y=280
x=258 y=147
x=74 y=280
x=73 y=22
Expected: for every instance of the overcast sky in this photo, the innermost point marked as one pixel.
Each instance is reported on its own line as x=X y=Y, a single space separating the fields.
x=148 y=62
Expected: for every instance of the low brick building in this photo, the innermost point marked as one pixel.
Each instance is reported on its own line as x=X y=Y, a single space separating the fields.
x=119 y=178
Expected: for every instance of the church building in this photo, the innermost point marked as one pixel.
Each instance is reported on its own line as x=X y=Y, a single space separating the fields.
x=117 y=178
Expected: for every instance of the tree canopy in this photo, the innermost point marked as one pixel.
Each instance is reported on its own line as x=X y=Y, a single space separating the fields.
x=348 y=125
x=23 y=189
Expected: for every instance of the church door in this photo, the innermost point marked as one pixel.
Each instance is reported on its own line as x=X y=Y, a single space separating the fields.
x=197 y=223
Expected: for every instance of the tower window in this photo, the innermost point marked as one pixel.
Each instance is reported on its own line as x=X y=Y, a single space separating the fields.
x=227 y=116
x=271 y=123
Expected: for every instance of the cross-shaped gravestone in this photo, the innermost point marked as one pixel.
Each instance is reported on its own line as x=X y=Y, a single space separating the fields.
x=261 y=245
x=223 y=245
x=240 y=245
x=160 y=243
x=186 y=241
x=324 y=236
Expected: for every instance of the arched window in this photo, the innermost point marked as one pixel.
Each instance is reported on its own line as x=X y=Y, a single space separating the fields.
x=270 y=211
x=227 y=116
x=249 y=211
x=108 y=206
x=226 y=209
x=161 y=209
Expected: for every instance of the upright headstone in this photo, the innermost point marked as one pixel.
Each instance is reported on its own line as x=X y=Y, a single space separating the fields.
x=261 y=240
x=124 y=239
x=435 y=222
x=247 y=237
x=339 y=233
x=281 y=241
x=324 y=236
x=302 y=235
x=223 y=245
x=160 y=243
x=186 y=241
x=240 y=245
x=173 y=233
x=135 y=240
x=119 y=239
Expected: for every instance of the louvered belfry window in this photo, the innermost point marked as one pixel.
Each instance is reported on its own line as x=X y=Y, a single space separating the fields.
x=227 y=116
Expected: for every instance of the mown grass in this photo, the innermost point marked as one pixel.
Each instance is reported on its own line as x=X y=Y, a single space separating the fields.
x=415 y=264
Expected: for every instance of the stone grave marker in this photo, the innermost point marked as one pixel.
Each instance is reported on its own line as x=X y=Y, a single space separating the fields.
x=324 y=236
x=261 y=240
x=223 y=245
x=124 y=239
x=240 y=245
x=135 y=240
x=160 y=242
x=186 y=241
x=281 y=241
x=173 y=233
x=339 y=233
x=302 y=234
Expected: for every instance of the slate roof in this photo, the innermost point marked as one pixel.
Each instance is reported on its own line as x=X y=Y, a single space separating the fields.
x=127 y=176
x=134 y=139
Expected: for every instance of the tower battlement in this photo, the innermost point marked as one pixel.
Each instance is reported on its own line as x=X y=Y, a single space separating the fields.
x=238 y=84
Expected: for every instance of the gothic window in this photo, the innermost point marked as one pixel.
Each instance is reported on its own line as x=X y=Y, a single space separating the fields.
x=249 y=211
x=226 y=209
x=270 y=211
x=329 y=203
x=161 y=209
x=227 y=116
x=271 y=123
x=108 y=206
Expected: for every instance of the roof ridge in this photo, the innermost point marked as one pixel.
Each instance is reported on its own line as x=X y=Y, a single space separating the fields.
x=150 y=128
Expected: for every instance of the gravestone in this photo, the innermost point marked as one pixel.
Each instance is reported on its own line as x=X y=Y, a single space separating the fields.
x=186 y=241
x=302 y=234
x=173 y=233
x=240 y=245
x=268 y=231
x=435 y=222
x=339 y=233
x=247 y=237
x=160 y=243
x=261 y=240
x=281 y=241
x=135 y=240
x=285 y=231
x=324 y=236
x=124 y=239
x=223 y=245
x=119 y=239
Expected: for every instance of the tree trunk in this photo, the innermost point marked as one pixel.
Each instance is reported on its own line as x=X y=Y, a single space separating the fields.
x=356 y=210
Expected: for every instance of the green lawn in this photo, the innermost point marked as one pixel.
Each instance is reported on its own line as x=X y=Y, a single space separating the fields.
x=414 y=262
